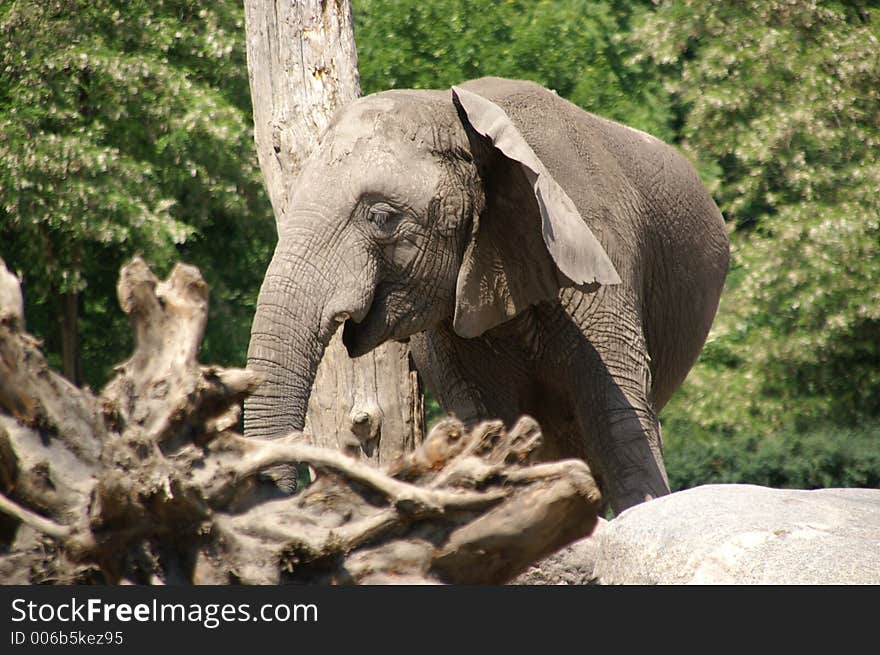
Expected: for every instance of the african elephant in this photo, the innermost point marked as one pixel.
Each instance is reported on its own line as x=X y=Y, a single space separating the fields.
x=543 y=260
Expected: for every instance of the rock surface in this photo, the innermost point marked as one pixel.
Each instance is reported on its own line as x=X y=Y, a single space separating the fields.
x=730 y=534
x=573 y=565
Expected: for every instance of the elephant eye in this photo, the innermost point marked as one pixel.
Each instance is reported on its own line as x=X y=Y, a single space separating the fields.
x=381 y=215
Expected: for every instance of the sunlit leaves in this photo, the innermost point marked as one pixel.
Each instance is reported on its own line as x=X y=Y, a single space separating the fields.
x=575 y=47
x=125 y=128
x=781 y=98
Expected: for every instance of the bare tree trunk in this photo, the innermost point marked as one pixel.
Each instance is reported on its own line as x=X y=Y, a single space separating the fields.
x=302 y=63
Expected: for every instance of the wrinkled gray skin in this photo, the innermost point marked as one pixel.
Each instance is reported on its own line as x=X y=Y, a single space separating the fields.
x=410 y=221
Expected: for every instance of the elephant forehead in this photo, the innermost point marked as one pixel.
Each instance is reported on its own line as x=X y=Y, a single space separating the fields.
x=412 y=181
x=400 y=173
x=378 y=122
x=408 y=180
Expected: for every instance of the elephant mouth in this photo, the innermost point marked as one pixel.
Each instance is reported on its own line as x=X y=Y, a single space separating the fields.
x=351 y=338
x=375 y=328
x=360 y=338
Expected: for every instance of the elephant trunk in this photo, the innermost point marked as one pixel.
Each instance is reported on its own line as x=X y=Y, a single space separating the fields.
x=287 y=343
x=303 y=300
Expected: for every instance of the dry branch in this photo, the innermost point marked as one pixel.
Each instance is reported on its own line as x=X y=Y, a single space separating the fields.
x=148 y=482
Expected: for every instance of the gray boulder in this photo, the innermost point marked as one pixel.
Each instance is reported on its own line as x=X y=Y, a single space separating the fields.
x=572 y=565
x=731 y=534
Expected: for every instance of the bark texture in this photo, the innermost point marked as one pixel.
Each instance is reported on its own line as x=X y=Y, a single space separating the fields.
x=302 y=64
x=147 y=483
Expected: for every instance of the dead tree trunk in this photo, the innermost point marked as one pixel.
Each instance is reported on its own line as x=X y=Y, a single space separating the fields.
x=302 y=64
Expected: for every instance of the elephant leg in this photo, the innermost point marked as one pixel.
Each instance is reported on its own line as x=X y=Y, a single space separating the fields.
x=470 y=380
x=604 y=362
x=599 y=374
x=626 y=428
x=496 y=378
x=629 y=444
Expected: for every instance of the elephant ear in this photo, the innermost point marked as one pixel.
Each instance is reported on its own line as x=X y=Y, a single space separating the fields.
x=506 y=267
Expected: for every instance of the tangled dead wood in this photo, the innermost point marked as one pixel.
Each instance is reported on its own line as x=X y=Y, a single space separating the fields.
x=148 y=482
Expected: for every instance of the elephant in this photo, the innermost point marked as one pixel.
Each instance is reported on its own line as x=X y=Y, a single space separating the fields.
x=540 y=260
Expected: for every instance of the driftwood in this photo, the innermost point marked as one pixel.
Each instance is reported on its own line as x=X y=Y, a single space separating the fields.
x=148 y=482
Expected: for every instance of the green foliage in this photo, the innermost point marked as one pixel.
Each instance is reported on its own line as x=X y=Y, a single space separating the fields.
x=433 y=411
x=572 y=46
x=780 y=100
x=125 y=128
x=826 y=457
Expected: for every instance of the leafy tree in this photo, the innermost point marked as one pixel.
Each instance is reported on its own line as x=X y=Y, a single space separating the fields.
x=572 y=46
x=825 y=457
x=780 y=104
x=125 y=128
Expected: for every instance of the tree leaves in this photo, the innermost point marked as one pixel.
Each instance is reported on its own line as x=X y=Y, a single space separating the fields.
x=782 y=100
x=125 y=128
x=573 y=46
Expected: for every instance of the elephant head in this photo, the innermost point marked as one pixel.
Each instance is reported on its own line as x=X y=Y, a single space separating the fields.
x=415 y=207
